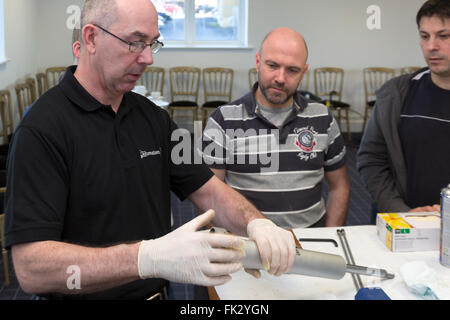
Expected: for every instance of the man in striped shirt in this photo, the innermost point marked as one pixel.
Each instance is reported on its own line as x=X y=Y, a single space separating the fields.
x=275 y=147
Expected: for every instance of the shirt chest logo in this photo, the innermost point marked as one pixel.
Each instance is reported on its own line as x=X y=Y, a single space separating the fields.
x=306 y=141
x=145 y=154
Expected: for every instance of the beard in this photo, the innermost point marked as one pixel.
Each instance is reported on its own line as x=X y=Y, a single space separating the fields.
x=275 y=97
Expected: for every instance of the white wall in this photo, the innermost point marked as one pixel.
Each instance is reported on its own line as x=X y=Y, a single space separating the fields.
x=21 y=38
x=335 y=31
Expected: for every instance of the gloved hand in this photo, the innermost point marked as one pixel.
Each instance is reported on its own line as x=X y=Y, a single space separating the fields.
x=276 y=246
x=187 y=256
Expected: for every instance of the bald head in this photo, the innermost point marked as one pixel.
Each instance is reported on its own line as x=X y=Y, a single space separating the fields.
x=285 y=37
x=103 y=12
x=281 y=65
x=109 y=66
x=106 y=12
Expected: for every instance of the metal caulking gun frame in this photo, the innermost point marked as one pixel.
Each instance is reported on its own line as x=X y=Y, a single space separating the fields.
x=313 y=263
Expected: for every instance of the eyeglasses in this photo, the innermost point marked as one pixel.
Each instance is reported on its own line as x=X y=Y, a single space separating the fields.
x=137 y=46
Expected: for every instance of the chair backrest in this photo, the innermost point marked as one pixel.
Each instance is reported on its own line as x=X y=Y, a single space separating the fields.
x=52 y=75
x=304 y=84
x=24 y=99
x=32 y=83
x=218 y=84
x=328 y=79
x=374 y=78
x=406 y=70
x=6 y=114
x=184 y=83
x=41 y=80
x=153 y=79
x=252 y=77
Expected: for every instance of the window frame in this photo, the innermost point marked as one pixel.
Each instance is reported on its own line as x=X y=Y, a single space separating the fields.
x=189 y=31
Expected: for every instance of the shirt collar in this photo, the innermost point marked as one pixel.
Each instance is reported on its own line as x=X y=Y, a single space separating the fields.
x=75 y=92
x=300 y=102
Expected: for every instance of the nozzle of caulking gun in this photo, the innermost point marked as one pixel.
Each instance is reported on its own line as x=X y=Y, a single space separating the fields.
x=381 y=273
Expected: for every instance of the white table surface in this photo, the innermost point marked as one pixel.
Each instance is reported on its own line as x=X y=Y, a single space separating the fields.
x=367 y=250
x=160 y=102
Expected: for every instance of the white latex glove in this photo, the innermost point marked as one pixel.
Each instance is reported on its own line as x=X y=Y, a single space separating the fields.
x=276 y=246
x=187 y=256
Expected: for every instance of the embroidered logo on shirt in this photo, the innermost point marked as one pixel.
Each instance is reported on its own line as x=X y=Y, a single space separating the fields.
x=306 y=141
x=145 y=154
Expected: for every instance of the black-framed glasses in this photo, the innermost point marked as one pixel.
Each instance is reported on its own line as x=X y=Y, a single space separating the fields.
x=136 y=46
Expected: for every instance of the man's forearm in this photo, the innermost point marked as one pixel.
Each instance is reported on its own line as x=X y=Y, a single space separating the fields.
x=337 y=208
x=338 y=196
x=233 y=211
x=50 y=266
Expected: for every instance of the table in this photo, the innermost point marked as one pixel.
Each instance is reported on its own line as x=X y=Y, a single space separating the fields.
x=160 y=102
x=368 y=251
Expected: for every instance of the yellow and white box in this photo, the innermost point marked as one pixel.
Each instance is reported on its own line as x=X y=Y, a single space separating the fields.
x=411 y=231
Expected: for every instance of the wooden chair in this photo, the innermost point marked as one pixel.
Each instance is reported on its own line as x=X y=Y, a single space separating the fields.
x=328 y=82
x=406 y=70
x=374 y=78
x=304 y=84
x=52 y=75
x=32 y=83
x=2 y=241
x=252 y=77
x=24 y=98
x=153 y=80
x=41 y=80
x=217 y=87
x=184 y=84
x=7 y=116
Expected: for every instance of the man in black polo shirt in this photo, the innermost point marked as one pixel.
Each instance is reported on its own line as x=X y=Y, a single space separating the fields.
x=90 y=174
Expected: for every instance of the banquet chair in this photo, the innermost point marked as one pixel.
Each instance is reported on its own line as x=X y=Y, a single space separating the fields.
x=24 y=98
x=374 y=78
x=252 y=77
x=217 y=87
x=7 y=116
x=32 y=83
x=152 y=79
x=7 y=127
x=304 y=84
x=52 y=76
x=328 y=82
x=184 y=85
x=406 y=70
x=41 y=80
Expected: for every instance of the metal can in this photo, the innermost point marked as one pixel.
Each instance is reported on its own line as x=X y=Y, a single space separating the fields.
x=444 y=248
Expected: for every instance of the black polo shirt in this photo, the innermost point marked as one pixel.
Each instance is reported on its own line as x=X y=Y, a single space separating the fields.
x=80 y=173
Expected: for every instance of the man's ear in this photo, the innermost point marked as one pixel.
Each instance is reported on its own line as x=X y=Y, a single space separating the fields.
x=304 y=70
x=257 y=60
x=76 y=49
x=89 y=34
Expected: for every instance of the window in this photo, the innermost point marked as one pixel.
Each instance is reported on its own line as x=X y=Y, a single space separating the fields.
x=198 y=23
x=2 y=33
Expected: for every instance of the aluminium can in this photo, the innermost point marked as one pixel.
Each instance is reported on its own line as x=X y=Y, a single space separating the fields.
x=444 y=248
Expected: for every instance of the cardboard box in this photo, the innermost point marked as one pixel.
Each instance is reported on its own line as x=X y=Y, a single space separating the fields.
x=409 y=231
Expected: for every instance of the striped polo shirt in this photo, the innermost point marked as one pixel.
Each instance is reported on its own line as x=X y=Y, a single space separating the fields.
x=279 y=170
